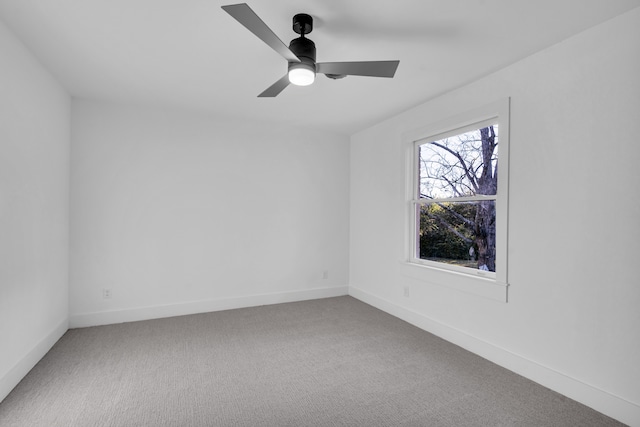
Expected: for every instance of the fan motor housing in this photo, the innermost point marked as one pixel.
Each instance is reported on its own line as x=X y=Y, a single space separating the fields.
x=303 y=47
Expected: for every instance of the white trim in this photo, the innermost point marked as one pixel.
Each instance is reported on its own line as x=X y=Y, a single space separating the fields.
x=82 y=320
x=479 y=197
x=29 y=360
x=502 y=205
x=459 y=121
x=587 y=394
x=496 y=111
x=484 y=284
x=469 y=126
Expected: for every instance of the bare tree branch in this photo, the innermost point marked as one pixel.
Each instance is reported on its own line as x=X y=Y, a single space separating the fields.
x=452 y=185
x=468 y=173
x=467 y=221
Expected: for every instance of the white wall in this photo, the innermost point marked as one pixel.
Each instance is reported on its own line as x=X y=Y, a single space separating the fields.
x=179 y=214
x=573 y=317
x=34 y=205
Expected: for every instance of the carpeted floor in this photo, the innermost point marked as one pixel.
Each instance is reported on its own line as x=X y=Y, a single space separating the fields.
x=328 y=362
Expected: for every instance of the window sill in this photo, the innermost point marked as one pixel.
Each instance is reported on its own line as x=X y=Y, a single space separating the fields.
x=467 y=283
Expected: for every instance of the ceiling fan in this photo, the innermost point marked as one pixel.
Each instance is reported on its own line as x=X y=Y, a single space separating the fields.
x=301 y=53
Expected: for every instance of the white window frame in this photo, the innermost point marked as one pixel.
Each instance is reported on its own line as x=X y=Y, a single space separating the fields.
x=493 y=285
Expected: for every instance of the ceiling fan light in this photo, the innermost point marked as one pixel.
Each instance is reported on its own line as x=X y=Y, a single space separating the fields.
x=301 y=74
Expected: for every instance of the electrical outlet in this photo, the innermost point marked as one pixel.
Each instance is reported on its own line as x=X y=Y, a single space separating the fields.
x=325 y=274
x=106 y=293
x=406 y=292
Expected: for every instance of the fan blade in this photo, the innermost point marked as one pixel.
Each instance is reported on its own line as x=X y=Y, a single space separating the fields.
x=275 y=88
x=365 y=68
x=247 y=17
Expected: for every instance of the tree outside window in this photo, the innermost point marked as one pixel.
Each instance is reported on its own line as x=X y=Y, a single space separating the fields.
x=456 y=204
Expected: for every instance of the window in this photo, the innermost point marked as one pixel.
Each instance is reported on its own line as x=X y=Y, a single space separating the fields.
x=457 y=185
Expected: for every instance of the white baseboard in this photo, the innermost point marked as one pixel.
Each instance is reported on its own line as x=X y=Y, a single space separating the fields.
x=180 y=309
x=600 y=400
x=22 y=368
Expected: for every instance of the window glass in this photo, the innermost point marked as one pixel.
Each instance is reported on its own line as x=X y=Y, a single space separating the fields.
x=457 y=185
x=460 y=165
x=449 y=233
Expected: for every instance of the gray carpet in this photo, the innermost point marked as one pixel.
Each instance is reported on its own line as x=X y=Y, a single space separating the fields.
x=328 y=362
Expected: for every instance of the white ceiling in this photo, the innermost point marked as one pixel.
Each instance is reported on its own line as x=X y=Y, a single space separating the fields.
x=191 y=54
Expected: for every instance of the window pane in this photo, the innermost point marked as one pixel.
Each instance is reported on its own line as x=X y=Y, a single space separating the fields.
x=462 y=234
x=460 y=165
